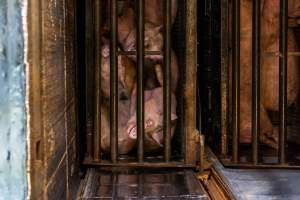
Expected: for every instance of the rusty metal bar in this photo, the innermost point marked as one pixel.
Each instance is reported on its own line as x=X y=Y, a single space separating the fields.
x=224 y=78
x=97 y=119
x=167 y=77
x=150 y=164
x=140 y=79
x=88 y=88
x=295 y=53
x=113 y=83
x=145 y=52
x=255 y=79
x=236 y=79
x=283 y=79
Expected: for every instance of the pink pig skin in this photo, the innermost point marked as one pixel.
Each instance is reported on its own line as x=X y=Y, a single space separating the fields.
x=269 y=71
x=153 y=118
x=270 y=61
x=125 y=143
x=154 y=11
x=126 y=73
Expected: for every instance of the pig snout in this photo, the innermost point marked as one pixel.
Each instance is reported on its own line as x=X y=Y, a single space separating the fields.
x=153 y=124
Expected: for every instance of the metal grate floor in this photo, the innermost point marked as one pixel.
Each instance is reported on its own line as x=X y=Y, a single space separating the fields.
x=142 y=184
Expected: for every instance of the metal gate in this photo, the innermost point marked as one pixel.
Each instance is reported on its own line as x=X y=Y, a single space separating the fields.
x=229 y=145
x=190 y=138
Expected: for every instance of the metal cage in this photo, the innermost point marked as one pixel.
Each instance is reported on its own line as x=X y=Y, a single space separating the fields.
x=190 y=137
x=229 y=147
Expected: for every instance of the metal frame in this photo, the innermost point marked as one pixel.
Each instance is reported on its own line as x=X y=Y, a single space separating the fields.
x=191 y=135
x=231 y=126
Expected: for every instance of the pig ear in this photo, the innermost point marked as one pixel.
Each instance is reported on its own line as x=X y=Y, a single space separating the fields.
x=158 y=29
x=132 y=132
x=157 y=138
x=173 y=116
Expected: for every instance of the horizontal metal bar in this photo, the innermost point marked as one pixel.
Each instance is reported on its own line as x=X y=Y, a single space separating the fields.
x=295 y=53
x=250 y=165
x=137 y=164
x=134 y=53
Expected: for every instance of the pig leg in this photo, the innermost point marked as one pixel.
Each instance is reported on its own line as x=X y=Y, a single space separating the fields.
x=267 y=134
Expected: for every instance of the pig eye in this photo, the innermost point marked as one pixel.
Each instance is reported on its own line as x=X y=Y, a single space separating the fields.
x=149 y=123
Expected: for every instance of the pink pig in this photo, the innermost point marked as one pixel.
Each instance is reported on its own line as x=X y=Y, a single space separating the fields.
x=153 y=118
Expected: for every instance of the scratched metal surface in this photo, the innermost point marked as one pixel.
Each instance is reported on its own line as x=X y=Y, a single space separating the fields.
x=261 y=184
x=142 y=184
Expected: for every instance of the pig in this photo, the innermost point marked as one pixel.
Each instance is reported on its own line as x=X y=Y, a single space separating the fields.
x=126 y=73
x=153 y=119
x=294 y=8
x=270 y=61
x=125 y=143
x=126 y=83
x=153 y=40
x=266 y=132
x=269 y=71
x=154 y=11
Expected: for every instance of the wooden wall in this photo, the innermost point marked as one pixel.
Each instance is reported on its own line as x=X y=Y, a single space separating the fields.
x=52 y=39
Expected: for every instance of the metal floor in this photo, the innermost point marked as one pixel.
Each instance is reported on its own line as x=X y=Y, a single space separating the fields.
x=260 y=184
x=142 y=184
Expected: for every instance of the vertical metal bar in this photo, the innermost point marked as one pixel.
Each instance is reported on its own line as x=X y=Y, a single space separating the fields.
x=236 y=79
x=97 y=119
x=283 y=79
x=113 y=83
x=255 y=79
x=224 y=78
x=88 y=53
x=167 y=73
x=140 y=79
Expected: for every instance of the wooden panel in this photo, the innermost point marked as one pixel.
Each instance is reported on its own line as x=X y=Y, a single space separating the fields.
x=52 y=102
x=191 y=134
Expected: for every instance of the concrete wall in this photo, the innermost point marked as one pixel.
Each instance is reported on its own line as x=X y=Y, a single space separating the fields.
x=13 y=181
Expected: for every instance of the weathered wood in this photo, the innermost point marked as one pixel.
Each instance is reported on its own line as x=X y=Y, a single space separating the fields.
x=52 y=98
x=190 y=83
